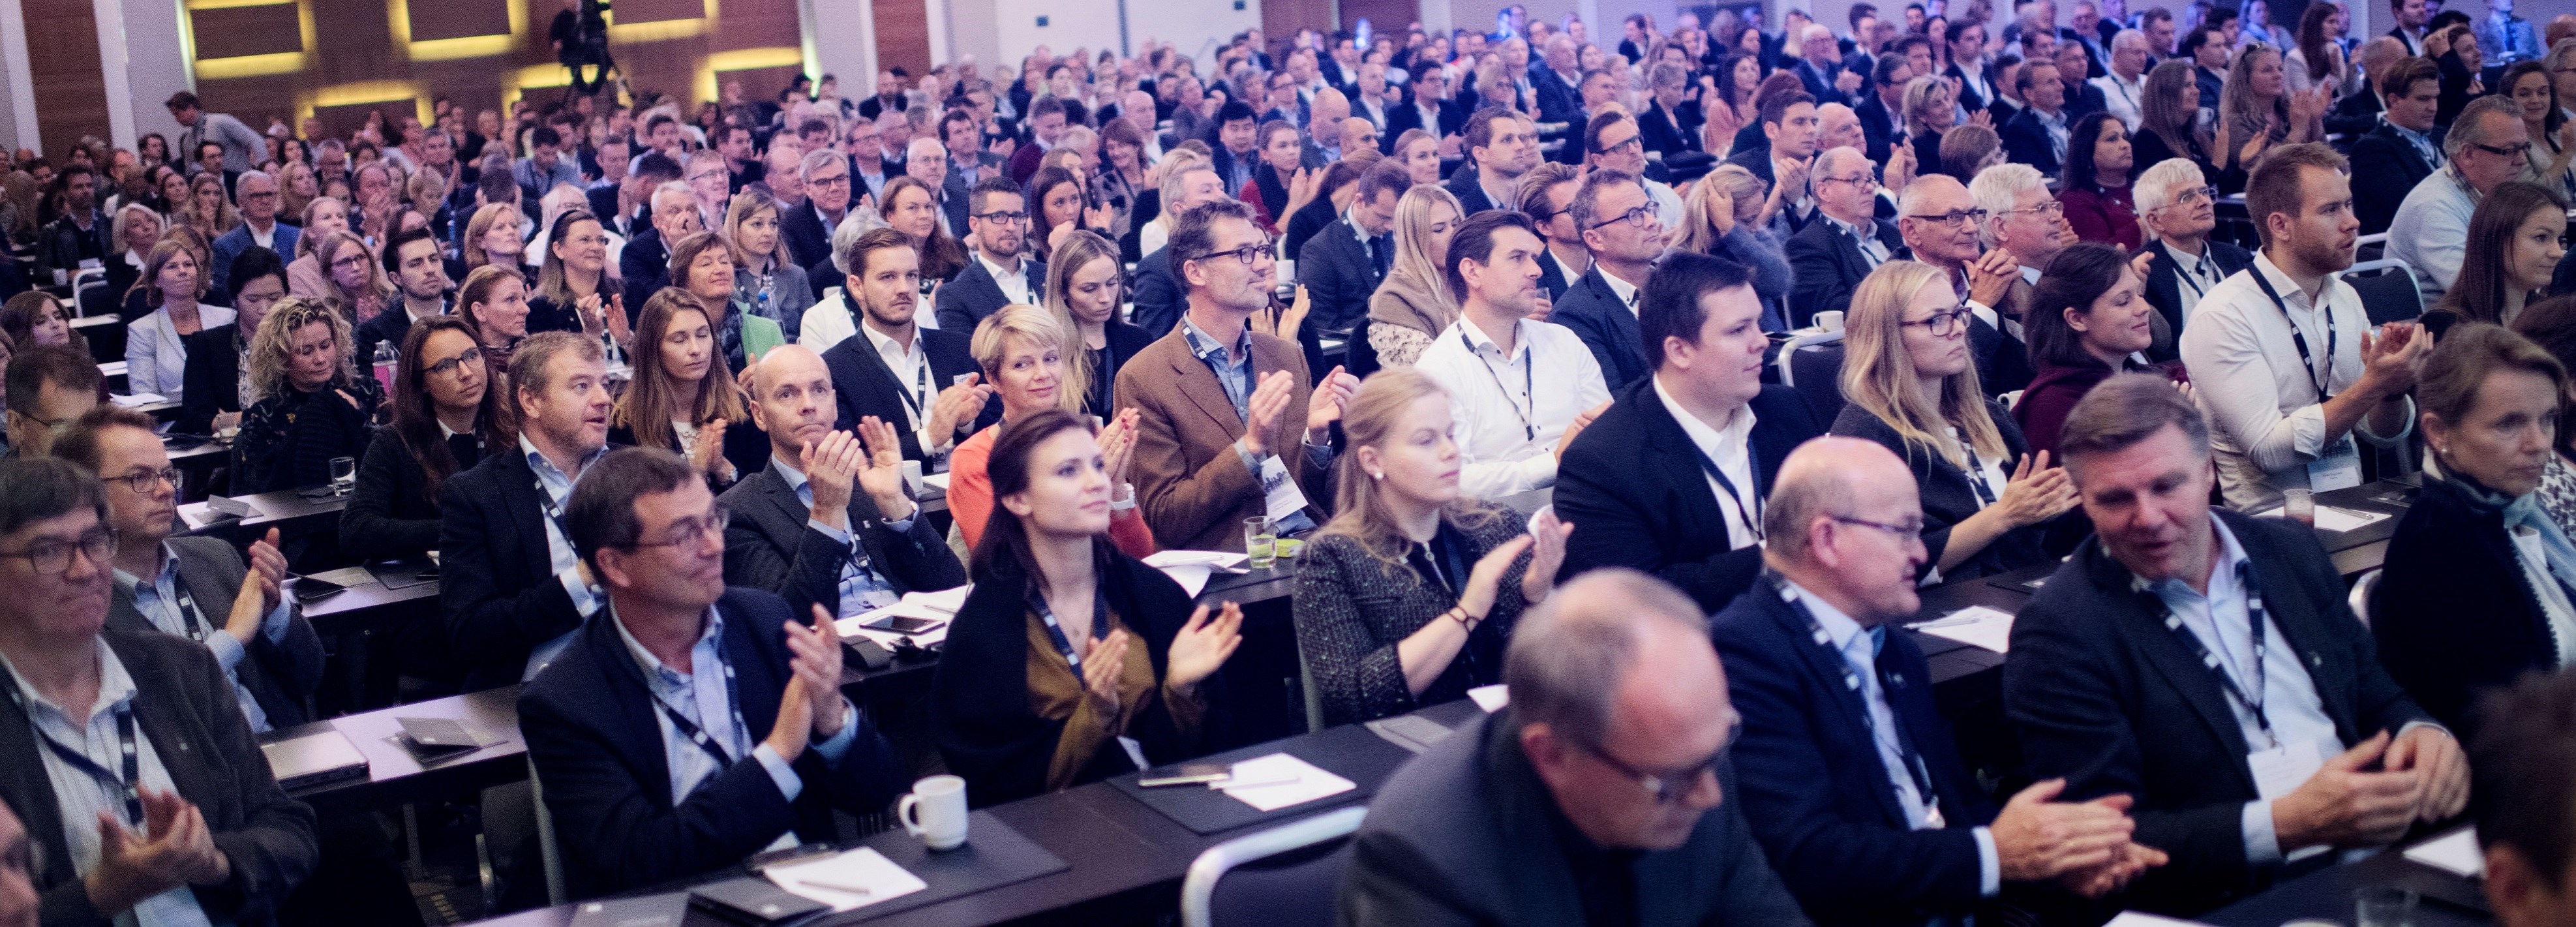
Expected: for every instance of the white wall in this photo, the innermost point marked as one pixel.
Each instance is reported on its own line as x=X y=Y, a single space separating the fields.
x=843 y=37
x=17 y=81
x=156 y=66
x=1196 y=27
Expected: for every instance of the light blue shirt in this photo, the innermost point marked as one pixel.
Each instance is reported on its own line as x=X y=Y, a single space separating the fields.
x=1859 y=648
x=80 y=796
x=706 y=699
x=1238 y=378
x=560 y=555
x=159 y=603
x=862 y=588
x=2423 y=143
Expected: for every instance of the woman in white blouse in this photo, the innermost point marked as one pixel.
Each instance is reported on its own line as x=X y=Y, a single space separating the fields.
x=156 y=354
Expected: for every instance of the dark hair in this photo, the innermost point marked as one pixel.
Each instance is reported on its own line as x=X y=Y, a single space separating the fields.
x=2403 y=75
x=2202 y=35
x=1033 y=200
x=1233 y=111
x=544 y=135
x=1480 y=126
x=1381 y=176
x=2556 y=117
x=657 y=167
x=1600 y=123
x=1046 y=105
x=1475 y=239
x=254 y=263
x=601 y=512
x=2521 y=795
x=1884 y=74
x=416 y=415
x=393 y=246
x=2073 y=279
x=1669 y=305
x=2551 y=324
x=2077 y=172
x=1194 y=230
x=2128 y=408
x=34 y=489
x=869 y=242
x=2478 y=294
x=1005 y=552
x=1776 y=107
x=182 y=100
x=60 y=365
x=79 y=443
x=985 y=188
x=2312 y=38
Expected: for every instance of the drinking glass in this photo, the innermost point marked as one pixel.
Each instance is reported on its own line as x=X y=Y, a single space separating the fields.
x=1261 y=540
x=344 y=475
x=2300 y=505
x=2383 y=906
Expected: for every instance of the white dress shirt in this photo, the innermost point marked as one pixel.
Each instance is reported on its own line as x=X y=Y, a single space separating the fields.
x=827 y=322
x=2124 y=98
x=1014 y=283
x=2267 y=422
x=1505 y=422
x=80 y=797
x=2195 y=276
x=156 y=359
x=1731 y=448
x=914 y=378
x=560 y=555
x=1626 y=291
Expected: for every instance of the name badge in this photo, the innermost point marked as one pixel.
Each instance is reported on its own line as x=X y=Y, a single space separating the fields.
x=2281 y=770
x=2339 y=468
x=1280 y=495
x=1135 y=751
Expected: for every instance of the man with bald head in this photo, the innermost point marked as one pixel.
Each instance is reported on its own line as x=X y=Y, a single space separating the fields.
x=1601 y=795
x=1358 y=135
x=1829 y=259
x=1939 y=221
x=1870 y=816
x=1324 y=129
x=799 y=529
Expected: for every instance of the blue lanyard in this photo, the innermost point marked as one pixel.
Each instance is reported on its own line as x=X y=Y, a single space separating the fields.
x=2254 y=619
x=128 y=786
x=1752 y=508
x=2300 y=338
x=1914 y=765
x=1055 y=632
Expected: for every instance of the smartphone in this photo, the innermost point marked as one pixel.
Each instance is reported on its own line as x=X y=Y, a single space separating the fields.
x=903 y=625
x=308 y=589
x=1186 y=774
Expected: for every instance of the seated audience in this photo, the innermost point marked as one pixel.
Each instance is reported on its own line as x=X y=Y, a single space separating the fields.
x=2038 y=136
x=48 y=387
x=1545 y=193
x=1022 y=352
x=702 y=266
x=255 y=194
x=1603 y=793
x=136 y=227
x=156 y=350
x=2171 y=126
x=1188 y=181
x=2025 y=223
x=2405 y=146
x=304 y=274
x=998 y=275
x=912 y=207
x=203 y=834
x=512 y=597
x=2177 y=210
x=310 y=404
x=805 y=535
x=896 y=371
x=1722 y=219
x=644 y=266
x=493 y=304
x=730 y=673
x=1931 y=113
x=1968 y=150
x=1510 y=434
x=1413 y=304
x=2257 y=110
x=2118 y=691
x=1408 y=597
x=1625 y=235
x=1819 y=783
x=1082 y=290
x=2086 y=322
x=356 y=278
x=2476 y=589
x=419 y=274
x=1279 y=186
x=2551 y=323
x=1671 y=478
x=36 y=318
x=1909 y=385
x=447 y=414
x=2282 y=358
x=1941 y=223
x=2521 y=762
x=685 y=399
x=1832 y=257
x=2515 y=240
x=2431 y=230
x=766 y=277
x=492 y=237
x=2096 y=181
x=1042 y=685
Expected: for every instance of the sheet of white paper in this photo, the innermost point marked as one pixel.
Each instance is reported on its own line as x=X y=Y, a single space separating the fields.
x=346 y=576
x=1214 y=558
x=833 y=880
x=1309 y=782
x=137 y=400
x=2136 y=919
x=1192 y=577
x=1491 y=698
x=2455 y=852
x=1975 y=626
x=945 y=601
x=850 y=627
x=2330 y=518
x=939 y=480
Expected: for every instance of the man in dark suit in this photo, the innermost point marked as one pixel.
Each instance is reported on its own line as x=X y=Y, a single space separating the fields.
x=808 y=226
x=1547 y=197
x=81 y=234
x=2037 y=135
x=1828 y=258
x=413 y=263
x=2207 y=49
x=511 y=586
x=1936 y=217
x=2358 y=112
x=1790 y=123
x=192 y=587
x=799 y=531
x=1342 y=265
x=1821 y=67
x=923 y=381
x=1880 y=109
x=692 y=724
x=1539 y=815
x=2403 y=149
x=645 y=265
x=1430 y=110
x=1602 y=307
x=2175 y=210
x=1851 y=780
x=1501 y=146
x=998 y=276
x=1558 y=83
x=257 y=201
x=1670 y=479
x=1158 y=299
x=2410 y=16
x=2205 y=663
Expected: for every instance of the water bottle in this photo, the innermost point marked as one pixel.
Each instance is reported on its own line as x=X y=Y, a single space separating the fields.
x=385 y=360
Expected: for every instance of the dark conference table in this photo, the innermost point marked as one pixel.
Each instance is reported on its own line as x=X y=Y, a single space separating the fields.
x=2445 y=900
x=395 y=776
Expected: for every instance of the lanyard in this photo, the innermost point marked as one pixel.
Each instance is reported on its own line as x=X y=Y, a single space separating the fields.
x=1529 y=383
x=2255 y=621
x=1976 y=474
x=1055 y=632
x=1440 y=558
x=554 y=512
x=127 y=786
x=698 y=735
x=2191 y=278
x=2300 y=338
x=1914 y=765
x=1750 y=509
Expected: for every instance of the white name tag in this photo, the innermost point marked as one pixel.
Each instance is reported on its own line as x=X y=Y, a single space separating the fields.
x=2281 y=770
x=1280 y=495
x=1135 y=751
x=2340 y=468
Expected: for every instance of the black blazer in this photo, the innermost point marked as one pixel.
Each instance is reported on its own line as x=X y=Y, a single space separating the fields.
x=1452 y=119
x=211 y=379
x=1302 y=225
x=1632 y=486
x=1471 y=195
x=184 y=705
x=2003 y=362
x=1827 y=266
x=2356 y=114
x=392 y=325
x=1814 y=788
x=281 y=675
x=980 y=713
x=864 y=385
x=497 y=583
x=1159 y=299
x=2453 y=612
x=1878 y=127
x=1662 y=134
x=768 y=546
x=808 y=240
x=2164 y=282
x=2026 y=141
x=1968 y=96
x=1467 y=833
x=603 y=204
x=391 y=513
x=965 y=301
x=1949 y=499
x=597 y=745
x=2103 y=695
x=1125 y=342
x=2393 y=167
x=645 y=265
x=1606 y=325
x=1339 y=278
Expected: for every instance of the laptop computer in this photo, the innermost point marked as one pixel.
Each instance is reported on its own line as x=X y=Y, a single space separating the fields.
x=314 y=759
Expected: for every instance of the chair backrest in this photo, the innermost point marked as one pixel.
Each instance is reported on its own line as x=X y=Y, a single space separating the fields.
x=2388 y=288
x=546 y=838
x=1813 y=365
x=1286 y=876
x=2361 y=590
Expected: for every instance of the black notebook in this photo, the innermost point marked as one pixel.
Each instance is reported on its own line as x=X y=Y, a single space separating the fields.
x=754 y=901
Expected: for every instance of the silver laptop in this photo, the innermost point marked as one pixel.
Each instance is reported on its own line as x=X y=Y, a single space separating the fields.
x=314 y=759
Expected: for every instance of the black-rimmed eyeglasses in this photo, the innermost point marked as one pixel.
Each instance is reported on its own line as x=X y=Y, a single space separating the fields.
x=50 y=557
x=691 y=530
x=1246 y=254
x=1669 y=787
x=1639 y=217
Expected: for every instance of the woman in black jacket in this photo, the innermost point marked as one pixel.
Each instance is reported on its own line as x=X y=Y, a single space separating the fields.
x=1042 y=672
x=313 y=405
x=1083 y=291
x=2479 y=580
x=446 y=417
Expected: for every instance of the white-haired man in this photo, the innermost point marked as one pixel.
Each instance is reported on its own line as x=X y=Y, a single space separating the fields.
x=2124 y=89
x=2487 y=145
x=2175 y=208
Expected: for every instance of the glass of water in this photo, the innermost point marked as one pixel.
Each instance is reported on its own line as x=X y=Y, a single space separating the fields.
x=2383 y=906
x=344 y=475
x=2300 y=505
x=1261 y=540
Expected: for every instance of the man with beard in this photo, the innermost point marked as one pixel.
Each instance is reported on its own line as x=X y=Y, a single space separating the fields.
x=1501 y=146
x=1621 y=228
x=412 y=260
x=998 y=276
x=896 y=371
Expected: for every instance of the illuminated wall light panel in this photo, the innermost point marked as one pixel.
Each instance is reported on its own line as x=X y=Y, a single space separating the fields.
x=398 y=13
x=257 y=65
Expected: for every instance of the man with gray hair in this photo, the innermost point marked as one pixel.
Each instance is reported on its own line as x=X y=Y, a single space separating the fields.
x=2486 y=146
x=1941 y=224
x=927 y=161
x=2124 y=88
x=645 y=263
x=2176 y=208
x=1828 y=259
x=1843 y=548
x=825 y=176
x=1600 y=794
x=255 y=195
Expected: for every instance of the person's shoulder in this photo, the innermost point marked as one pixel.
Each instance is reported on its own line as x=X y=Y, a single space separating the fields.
x=1435 y=802
x=1745 y=626
x=763 y=609
x=753 y=487
x=151 y=656
x=1856 y=422
x=1553 y=336
x=1782 y=402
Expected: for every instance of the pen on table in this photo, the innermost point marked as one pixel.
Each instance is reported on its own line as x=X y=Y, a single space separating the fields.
x=837 y=886
x=1946 y=622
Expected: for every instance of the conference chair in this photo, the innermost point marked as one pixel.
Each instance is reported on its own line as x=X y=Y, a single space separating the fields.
x=2389 y=291
x=2360 y=596
x=1812 y=364
x=1286 y=876
x=2371 y=247
x=546 y=850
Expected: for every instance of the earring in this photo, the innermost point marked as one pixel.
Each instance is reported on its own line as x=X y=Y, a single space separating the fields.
x=1377 y=474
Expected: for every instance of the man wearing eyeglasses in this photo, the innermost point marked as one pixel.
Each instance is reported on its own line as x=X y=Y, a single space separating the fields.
x=998 y=276
x=196 y=588
x=255 y=195
x=1829 y=259
x=1941 y=225
x=2404 y=147
x=2487 y=145
x=1613 y=140
x=140 y=830
x=2176 y=206
x=1602 y=794
x=1869 y=815
x=751 y=746
x=1602 y=307
x=48 y=387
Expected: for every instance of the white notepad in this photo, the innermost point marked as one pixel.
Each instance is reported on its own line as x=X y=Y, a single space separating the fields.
x=2456 y=853
x=854 y=879
x=1304 y=782
x=1975 y=626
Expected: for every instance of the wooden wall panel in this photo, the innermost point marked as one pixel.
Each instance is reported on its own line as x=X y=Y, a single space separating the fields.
x=1384 y=16
x=457 y=19
x=71 y=94
x=631 y=12
x=224 y=32
x=903 y=40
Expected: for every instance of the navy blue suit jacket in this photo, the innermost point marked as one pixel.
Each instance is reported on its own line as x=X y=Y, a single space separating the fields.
x=1605 y=324
x=2026 y=141
x=231 y=244
x=1812 y=782
x=597 y=744
x=1160 y=300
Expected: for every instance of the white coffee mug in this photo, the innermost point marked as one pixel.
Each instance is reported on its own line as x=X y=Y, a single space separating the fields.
x=935 y=811
x=1830 y=320
x=912 y=478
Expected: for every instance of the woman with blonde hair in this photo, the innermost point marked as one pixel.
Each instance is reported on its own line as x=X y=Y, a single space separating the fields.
x=1171 y=186
x=1911 y=385
x=134 y=230
x=356 y=280
x=1931 y=109
x=1409 y=595
x=492 y=237
x=1082 y=291
x=304 y=276
x=1723 y=218
x=2257 y=109
x=1419 y=151
x=684 y=397
x=297 y=188
x=765 y=276
x=1022 y=350
x=1413 y=305
x=156 y=347
x=310 y=405
x=209 y=209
